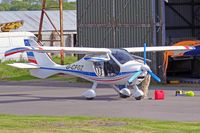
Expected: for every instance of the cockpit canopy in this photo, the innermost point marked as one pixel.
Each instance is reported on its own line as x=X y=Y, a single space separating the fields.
x=106 y=66
x=122 y=55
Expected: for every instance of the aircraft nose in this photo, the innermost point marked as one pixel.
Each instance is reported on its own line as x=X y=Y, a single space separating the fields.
x=145 y=67
x=136 y=67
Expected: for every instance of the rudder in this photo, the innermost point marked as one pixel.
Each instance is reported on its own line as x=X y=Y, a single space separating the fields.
x=41 y=59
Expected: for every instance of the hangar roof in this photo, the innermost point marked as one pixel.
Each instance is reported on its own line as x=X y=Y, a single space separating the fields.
x=32 y=20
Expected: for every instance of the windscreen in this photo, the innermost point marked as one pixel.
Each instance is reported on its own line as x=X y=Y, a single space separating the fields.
x=121 y=55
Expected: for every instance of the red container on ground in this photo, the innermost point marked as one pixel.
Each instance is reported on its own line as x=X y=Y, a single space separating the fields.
x=159 y=95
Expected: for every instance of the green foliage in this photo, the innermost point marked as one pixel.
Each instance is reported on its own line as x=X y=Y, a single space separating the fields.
x=67 y=59
x=19 y=6
x=5 y=7
x=11 y=73
x=69 y=6
x=34 y=5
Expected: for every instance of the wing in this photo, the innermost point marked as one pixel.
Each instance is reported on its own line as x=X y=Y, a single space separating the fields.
x=160 y=48
x=75 y=50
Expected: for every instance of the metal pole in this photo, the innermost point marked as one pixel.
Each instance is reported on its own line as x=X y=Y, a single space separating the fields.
x=154 y=33
x=163 y=22
x=41 y=20
x=162 y=73
x=61 y=31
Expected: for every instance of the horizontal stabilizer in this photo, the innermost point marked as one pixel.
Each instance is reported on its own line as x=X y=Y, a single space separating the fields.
x=24 y=65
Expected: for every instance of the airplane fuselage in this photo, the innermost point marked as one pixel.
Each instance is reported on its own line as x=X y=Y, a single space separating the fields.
x=105 y=71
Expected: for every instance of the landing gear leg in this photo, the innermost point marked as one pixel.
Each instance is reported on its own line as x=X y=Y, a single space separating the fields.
x=90 y=94
x=137 y=93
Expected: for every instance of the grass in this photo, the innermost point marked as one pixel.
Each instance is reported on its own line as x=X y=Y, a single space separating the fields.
x=44 y=124
x=9 y=73
x=67 y=59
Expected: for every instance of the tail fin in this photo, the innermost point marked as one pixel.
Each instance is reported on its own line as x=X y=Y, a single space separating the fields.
x=41 y=59
x=37 y=59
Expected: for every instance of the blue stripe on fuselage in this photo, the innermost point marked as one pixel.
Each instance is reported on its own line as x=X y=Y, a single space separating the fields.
x=92 y=74
x=124 y=73
x=74 y=71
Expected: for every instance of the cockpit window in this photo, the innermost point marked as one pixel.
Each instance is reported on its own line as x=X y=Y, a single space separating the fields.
x=106 y=68
x=121 y=55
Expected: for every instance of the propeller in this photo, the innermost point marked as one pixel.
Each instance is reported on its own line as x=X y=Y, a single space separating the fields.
x=134 y=77
x=145 y=53
x=145 y=67
x=155 y=77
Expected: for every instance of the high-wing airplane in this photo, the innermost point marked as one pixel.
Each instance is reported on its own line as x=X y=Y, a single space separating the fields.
x=115 y=67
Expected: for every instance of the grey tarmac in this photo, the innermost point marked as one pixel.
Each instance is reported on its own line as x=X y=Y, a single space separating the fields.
x=59 y=98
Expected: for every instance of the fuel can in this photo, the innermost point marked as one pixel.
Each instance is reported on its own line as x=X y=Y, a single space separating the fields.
x=159 y=95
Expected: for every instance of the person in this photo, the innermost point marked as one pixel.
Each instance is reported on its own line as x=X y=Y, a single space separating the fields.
x=145 y=85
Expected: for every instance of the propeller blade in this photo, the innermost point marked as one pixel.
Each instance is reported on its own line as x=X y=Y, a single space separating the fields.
x=145 y=53
x=134 y=77
x=155 y=77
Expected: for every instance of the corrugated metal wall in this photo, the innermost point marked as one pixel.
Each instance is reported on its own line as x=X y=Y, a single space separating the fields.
x=119 y=23
x=114 y=23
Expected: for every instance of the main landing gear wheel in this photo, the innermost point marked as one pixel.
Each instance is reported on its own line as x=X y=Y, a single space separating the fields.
x=89 y=94
x=137 y=93
x=139 y=98
x=124 y=93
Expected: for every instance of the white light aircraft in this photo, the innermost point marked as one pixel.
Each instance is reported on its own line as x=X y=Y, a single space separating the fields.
x=115 y=67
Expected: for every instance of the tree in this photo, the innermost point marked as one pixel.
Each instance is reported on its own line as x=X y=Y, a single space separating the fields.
x=35 y=5
x=19 y=6
x=5 y=6
x=69 y=5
